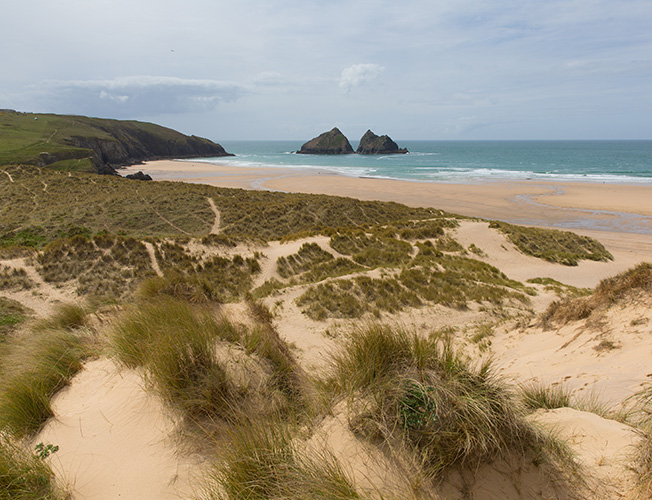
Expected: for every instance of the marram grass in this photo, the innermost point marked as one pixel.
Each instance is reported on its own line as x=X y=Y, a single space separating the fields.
x=24 y=475
x=420 y=393
x=264 y=462
x=33 y=369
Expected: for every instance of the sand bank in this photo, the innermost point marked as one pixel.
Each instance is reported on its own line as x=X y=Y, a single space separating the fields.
x=583 y=206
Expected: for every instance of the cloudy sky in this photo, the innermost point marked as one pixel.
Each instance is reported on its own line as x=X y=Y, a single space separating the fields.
x=290 y=69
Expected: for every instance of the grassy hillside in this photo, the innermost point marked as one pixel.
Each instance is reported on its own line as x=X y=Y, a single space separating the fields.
x=86 y=144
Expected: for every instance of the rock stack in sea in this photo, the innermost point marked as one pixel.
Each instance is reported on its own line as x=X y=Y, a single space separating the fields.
x=372 y=144
x=332 y=142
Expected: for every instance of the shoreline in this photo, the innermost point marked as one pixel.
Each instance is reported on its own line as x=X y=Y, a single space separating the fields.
x=577 y=206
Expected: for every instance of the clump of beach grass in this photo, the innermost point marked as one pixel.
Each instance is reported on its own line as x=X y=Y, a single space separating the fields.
x=24 y=475
x=415 y=391
x=15 y=279
x=205 y=365
x=65 y=317
x=34 y=367
x=266 y=462
x=543 y=396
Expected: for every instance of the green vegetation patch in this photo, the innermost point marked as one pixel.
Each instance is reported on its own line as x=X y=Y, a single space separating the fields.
x=552 y=245
x=105 y=265
x=39 y=205
x=308 y=256
x=12 y=314
x=216 y=279
x=372 y=251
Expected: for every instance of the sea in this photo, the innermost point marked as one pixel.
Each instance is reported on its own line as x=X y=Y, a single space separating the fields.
x=619 y=162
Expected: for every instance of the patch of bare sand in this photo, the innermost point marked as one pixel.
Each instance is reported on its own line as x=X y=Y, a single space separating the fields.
x=605 y=356
x=45 y=297
x=604 y=448
x=116 y=439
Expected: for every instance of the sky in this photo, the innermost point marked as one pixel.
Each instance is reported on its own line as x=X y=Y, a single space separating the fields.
x=289 y=69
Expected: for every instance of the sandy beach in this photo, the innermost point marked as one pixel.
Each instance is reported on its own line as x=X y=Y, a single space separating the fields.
x=576 y=206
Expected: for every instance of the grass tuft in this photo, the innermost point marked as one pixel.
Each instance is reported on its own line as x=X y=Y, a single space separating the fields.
x=421 y=392
x=207 y=367
x=33 y=369
x=264 y=462
x=23 y=475
x=608 y=292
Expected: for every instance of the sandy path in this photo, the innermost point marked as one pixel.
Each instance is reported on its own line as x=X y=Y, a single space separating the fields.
x=152 y=258
x=216 y=225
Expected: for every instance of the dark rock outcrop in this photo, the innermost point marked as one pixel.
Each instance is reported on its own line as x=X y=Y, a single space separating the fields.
x=332 y=142
x=371 y=144
x=139 y=176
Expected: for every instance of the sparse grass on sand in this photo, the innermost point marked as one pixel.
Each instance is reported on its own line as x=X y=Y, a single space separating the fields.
x=12 y=314
x=24 y=475
x=608 y=292
x=406 y=389
x=563 y=247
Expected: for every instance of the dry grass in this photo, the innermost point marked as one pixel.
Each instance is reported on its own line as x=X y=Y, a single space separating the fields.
x=13 y=279
x=607 y=293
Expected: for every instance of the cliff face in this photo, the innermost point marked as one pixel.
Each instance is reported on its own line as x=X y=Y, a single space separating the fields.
x=92 y=144
x=371 y=144
x=332 y=142
x=126 y=143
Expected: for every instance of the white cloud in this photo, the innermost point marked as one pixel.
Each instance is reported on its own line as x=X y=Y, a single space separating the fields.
x=359 y=74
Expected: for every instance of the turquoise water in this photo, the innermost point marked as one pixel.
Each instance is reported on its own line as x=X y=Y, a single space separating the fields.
x=467 y=161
